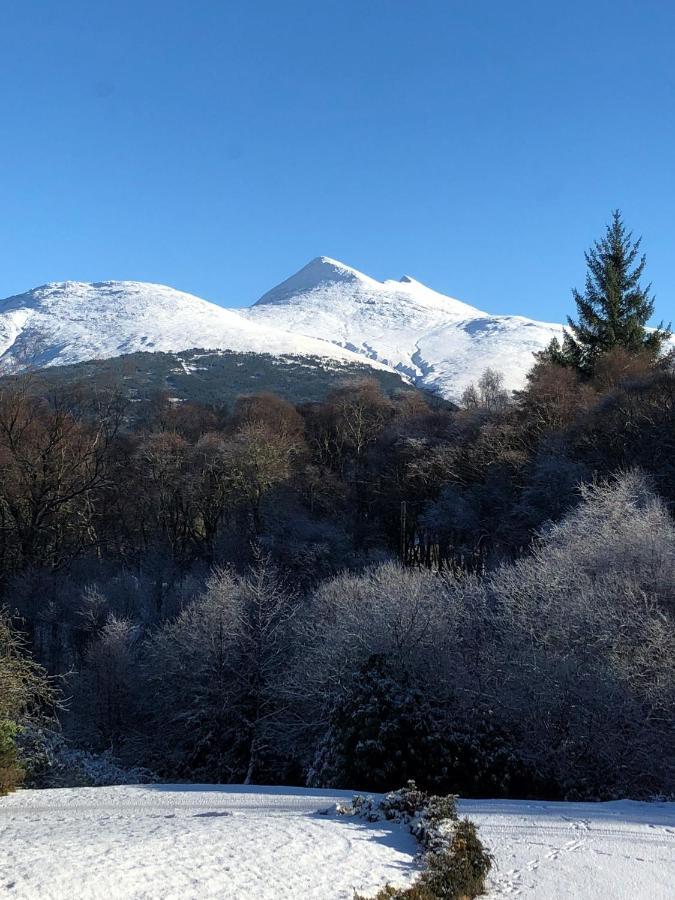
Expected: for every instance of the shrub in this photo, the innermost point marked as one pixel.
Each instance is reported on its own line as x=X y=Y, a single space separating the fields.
x=51 y=762
x=461 y=870
x=386 y=729
x=456 y=863
x=457 y=873
x=24 y=689
x=11 y=772
x=382 y=732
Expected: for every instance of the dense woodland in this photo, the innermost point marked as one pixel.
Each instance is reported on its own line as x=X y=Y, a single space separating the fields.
x=356 y=591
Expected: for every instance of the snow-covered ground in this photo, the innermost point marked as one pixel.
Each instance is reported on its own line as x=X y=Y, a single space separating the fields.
x=175 y=841
x=578 y=851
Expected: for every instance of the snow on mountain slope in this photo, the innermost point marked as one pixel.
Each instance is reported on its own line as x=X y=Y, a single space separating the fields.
x=438 y=342
x=327 y=310
x=72 y=321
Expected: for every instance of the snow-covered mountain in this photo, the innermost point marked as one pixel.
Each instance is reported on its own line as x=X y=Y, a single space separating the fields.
x=72 y=322
x=325 y=310
x=436 y=341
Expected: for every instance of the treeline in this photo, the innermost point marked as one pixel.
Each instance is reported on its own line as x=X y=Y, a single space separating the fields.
x=370 y=588
x=552 y=676
x=343 y=483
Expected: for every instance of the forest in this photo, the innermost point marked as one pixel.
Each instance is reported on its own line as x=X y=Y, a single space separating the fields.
x=356 y=591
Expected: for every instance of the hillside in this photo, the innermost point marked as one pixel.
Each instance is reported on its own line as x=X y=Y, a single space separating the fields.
x=217 y=377
x=326 y=311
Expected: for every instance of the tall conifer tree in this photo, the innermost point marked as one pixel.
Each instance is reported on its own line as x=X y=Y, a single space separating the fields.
x=614 y=308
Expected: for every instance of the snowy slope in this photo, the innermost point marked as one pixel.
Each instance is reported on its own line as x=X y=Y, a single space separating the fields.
x=72 y=321
x=327 y=310
x=234 y=843
x=438 y=342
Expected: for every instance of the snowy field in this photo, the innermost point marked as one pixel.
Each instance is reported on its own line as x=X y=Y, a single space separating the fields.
x=171 y=842
x=586 y=851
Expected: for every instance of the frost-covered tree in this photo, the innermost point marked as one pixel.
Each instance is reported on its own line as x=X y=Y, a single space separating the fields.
x=584 y=650
x=489 y=394
x=387 y=610
x=216 y=677
x=554 y=675
x=106 y=689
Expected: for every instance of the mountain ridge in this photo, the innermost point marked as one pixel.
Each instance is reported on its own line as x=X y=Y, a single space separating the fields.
x=64 y=323
x=326 y=309
x=436 y=341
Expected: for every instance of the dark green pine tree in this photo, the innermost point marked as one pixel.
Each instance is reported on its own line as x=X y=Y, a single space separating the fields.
x=614 y=309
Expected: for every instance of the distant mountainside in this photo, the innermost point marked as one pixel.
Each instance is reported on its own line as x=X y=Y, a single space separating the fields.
x=326 y=311
x=215 y=377
x=436 y=341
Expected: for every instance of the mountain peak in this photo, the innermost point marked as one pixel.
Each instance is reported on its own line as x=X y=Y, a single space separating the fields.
x=324 y=281
x=328 y=269
x=319 y=272
x=433 y=339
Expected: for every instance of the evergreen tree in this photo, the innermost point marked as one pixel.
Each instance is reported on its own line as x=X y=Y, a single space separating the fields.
x=614 y=308
x=383 y=732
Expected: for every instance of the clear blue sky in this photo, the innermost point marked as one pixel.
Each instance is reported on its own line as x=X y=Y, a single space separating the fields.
x=218 y=145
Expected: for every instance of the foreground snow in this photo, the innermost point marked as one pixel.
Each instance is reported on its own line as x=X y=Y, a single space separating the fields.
x=175 y=841
x=569 y=851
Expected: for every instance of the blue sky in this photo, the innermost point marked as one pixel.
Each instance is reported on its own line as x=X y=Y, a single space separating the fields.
x=479 y=145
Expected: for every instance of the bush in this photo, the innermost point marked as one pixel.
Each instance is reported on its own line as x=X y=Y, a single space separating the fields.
x=457 y=873
x=11 y=772
x=382 y=732
x=51 y=762
x=24 y=691
x=456 y=863
x=386 y=730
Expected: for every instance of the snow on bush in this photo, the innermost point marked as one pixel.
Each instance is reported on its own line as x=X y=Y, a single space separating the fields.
x=50 y=762
x=428 y=817
x=456 y=863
